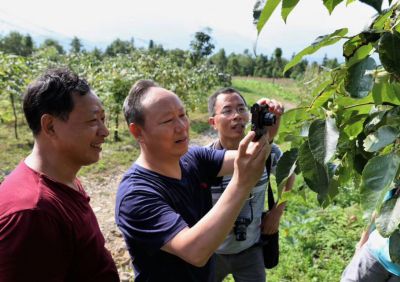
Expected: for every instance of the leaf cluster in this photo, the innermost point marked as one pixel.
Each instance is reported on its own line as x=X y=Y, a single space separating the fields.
x=350 y=133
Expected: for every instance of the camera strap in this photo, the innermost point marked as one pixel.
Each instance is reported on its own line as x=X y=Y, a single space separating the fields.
x=271 y=200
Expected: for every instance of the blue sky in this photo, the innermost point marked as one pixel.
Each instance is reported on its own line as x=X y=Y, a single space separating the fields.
x=174 y=22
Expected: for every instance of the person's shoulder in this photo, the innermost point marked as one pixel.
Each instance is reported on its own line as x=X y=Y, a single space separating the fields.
x=137 y=180
x=20 y=190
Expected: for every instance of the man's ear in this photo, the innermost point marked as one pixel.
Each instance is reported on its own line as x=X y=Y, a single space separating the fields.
x=211 y=121
x=47 y=124
x=136 y=131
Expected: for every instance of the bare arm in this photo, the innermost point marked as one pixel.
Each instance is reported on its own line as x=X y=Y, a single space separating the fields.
x=197 y=244
x=230 y=155
x=365 y=234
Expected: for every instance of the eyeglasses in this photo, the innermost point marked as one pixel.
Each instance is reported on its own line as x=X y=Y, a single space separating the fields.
x=230 y=112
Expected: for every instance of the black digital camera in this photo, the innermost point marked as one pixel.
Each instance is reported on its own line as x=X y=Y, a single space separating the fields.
x=240 y=228
x=260 y=118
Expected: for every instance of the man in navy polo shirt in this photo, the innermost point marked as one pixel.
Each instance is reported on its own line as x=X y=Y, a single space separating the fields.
x=164 y=206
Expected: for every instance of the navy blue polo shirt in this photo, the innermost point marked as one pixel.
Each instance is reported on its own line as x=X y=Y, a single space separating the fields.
x=152 y=208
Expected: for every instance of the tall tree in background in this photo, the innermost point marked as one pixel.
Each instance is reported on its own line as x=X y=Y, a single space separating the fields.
x=49 y=42
x=219 y=59
x=261 y=65
x=233 y=66
x=76 y=45
x=119 y=46
x=17 y=44
x=201 y=46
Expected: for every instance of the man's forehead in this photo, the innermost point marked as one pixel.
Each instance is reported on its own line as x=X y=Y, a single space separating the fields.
x=158 y=95
x=89 y=102
x=226 y=99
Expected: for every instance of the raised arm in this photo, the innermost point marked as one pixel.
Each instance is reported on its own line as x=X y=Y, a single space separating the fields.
x=230 y=155
x=197 y=244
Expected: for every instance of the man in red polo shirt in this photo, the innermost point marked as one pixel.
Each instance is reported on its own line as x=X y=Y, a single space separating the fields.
x=48 y=231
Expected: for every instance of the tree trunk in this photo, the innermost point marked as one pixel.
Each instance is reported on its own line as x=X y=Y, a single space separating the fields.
x=116 y=137
x=15 y=116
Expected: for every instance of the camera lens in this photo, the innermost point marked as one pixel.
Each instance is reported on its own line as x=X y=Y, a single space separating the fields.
x=269 y=119
x=240 y=228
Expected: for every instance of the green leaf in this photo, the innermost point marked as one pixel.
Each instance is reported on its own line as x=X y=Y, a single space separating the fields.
x=287 y=7
x=360 y=54
x=323 y=137
x=321 y=96
x=384 y=136
x=348 y=2
x=331 y=4
x=388 y=218
x=394 y=247
x=380 y=22
x=383 y=91
x=286 y=196
x=315 y=174
x=266 y=13
x=320 y=42
x=377 y=176
x=355 y=126
x=286 y=165
x=389 y=54
x=357 y=83
x=376 y=4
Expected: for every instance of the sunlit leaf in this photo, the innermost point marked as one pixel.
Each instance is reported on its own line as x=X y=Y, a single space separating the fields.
x=266 y=13
x=360 y=54
x=331 y=4
x=357 y=83
x=287 y=7
x=383 y=91
x=320 y=42
x=384 y=136
x=382 y=19
x=388 y=218
x=355 y=126
x=323 y=137
x=377 y=177
x=321 y=96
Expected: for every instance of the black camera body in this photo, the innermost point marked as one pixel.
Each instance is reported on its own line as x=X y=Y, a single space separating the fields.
x=260 y=118
x=240 y=228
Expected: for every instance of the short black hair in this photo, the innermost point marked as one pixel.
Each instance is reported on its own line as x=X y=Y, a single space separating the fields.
x=52 y=94
x=213 y=98
x=133 y=109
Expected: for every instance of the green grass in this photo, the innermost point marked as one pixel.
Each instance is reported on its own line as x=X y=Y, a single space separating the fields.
x=13 y=150
x=282 y=89
x=315 y=243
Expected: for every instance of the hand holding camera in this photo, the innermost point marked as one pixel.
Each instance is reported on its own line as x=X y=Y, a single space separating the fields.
x=265 y=113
